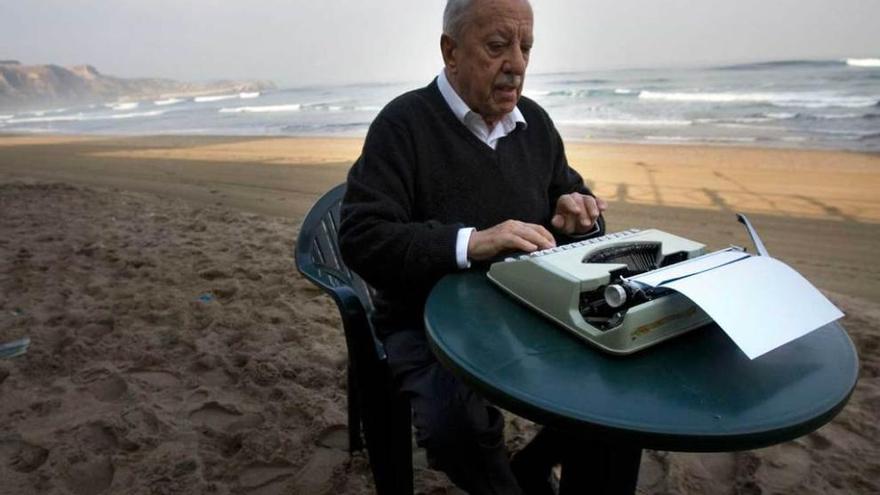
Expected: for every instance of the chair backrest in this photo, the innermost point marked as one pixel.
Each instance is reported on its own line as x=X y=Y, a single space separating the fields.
x=317 y=249
x=318 y=258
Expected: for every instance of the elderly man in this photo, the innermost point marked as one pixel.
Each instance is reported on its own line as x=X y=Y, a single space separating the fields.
x=460 y=172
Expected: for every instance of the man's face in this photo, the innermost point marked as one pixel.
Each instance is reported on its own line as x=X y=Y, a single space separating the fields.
x=487 y=62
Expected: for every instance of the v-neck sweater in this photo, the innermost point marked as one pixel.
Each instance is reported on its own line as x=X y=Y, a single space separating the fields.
x=421 y=176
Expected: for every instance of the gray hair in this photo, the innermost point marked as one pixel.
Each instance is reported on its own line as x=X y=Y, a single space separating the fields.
x=454 y=16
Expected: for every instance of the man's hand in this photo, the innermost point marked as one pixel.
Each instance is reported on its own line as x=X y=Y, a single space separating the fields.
x=511 y=235
x=576 y=213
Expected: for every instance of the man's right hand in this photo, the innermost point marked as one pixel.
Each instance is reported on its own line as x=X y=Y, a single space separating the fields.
x=511 y=235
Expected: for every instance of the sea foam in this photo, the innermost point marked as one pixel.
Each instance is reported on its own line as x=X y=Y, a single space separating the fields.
x=81 y=117
x=123 y=106
x=60 y=118
x=696 y=139
x=863 y=62
x=169 y=101
x=804 y=99
x=248 y=95
x=206 y=99
x=152 y=113
x=624 y=122
x=295 y=107
x=40 y=113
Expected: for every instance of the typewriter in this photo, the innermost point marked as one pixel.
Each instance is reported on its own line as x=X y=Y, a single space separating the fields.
x=614 y=291
x=582 y=287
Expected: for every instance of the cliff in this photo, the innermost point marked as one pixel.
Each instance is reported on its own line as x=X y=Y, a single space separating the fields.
x=26 y=85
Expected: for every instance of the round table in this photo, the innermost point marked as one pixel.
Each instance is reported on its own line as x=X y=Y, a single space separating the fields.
x=697 y=392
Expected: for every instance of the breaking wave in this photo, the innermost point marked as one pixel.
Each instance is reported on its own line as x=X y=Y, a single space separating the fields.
x=805 y=100
x=206 y=99
x=625 y=122
x=695 y=139
x=79 y=117
x=169 y=101
x=123 y=106
x=782 y=64
x=863 y=62
x=295 y=107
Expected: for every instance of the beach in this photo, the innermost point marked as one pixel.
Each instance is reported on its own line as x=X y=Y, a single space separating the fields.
x=175 y=349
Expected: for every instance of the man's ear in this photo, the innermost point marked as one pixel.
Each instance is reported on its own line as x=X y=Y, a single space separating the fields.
x=447 y=48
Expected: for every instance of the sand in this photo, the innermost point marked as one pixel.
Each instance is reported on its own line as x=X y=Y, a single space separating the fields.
x=175 y=349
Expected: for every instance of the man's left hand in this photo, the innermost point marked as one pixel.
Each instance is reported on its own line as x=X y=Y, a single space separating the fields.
x=576 y=213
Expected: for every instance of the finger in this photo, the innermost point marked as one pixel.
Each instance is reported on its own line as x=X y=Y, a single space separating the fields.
x=591 y=209
x=558 y=221
x=571 y=221
x=583 y=218
x=518 y=239
x=517 y=243
x=602 y=204
x=537 y=235
x=546 y=234
x=567 y=205
x=577 y=216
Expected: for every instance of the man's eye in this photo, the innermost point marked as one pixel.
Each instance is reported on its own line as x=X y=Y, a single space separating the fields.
x=526 y=49
x=496 y=46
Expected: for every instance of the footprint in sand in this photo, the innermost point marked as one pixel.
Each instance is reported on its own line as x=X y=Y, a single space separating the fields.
x=334 y=437
x=104 y=384
x=226 y=290
x=209 y=370
x=98 y=436
x=215 y=416
x=155 y=379
x=90 y=476
x=20 y=455
x=266 y=479
x=213 y=274
x=314 y=478
x=219 y=417
x=786 y=468
x=317 y=475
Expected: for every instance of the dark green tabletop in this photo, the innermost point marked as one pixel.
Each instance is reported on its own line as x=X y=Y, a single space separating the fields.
x=697 y=392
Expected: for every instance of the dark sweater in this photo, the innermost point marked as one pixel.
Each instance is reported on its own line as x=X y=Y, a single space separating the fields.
x=422 y=175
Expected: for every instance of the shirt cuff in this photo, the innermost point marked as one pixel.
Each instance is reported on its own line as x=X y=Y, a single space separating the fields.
x=461 y=247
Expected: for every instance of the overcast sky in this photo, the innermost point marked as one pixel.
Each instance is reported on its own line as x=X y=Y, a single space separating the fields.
x=301 y=42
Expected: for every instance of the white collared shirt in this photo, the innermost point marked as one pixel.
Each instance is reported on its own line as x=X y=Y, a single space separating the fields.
x=475 y=123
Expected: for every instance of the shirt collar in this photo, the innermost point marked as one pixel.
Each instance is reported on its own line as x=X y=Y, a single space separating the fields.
x=462 y=111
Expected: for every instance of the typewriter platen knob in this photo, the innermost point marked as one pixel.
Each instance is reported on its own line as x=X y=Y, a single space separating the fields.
x=615 y=295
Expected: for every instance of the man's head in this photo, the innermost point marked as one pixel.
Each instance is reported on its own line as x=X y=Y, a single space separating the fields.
x=486 y=45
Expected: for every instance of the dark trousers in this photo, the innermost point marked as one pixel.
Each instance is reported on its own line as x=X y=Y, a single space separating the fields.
x=464 y=436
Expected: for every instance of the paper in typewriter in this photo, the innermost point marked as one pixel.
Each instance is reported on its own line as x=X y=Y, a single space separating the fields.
x=760 y=302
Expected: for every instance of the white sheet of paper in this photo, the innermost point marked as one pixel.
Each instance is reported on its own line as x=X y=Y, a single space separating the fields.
x=689 y=267
x=760 y=302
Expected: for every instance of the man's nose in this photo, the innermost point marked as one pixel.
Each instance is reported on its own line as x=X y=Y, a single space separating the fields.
x=516 y=61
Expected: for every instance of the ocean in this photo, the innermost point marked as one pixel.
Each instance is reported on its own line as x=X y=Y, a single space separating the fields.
x=796 y=104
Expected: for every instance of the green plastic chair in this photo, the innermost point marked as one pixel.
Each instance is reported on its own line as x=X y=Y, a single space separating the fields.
x=377 y=414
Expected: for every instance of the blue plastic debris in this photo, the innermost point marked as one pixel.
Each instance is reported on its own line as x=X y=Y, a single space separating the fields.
x=14 y=348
